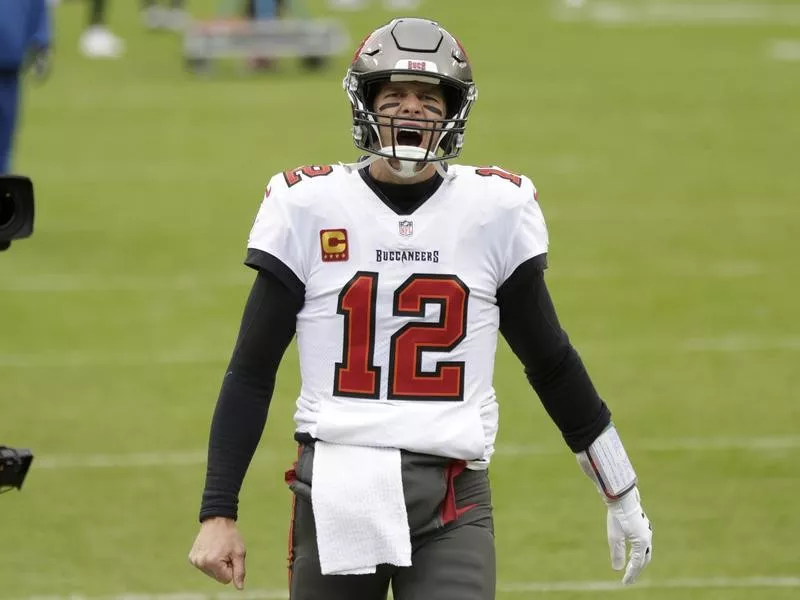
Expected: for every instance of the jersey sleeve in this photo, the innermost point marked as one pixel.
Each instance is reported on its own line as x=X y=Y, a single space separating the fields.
x=273 y=244
x=529 y=234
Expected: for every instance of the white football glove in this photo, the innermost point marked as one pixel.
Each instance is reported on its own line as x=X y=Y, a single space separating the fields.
x=627 y=522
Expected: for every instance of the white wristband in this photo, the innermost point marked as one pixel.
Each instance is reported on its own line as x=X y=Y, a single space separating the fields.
x=606 y=463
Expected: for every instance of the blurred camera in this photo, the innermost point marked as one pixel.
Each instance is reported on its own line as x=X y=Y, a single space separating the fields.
x=16 y=209
x=14 y=465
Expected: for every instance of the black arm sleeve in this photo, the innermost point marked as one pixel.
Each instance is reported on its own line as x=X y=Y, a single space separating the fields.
x=555 y=371
x=268 y=325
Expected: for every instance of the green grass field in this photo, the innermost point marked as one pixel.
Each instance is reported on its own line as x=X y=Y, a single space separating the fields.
x=666 y=157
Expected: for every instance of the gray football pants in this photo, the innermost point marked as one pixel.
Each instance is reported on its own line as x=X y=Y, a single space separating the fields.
x=452 y=538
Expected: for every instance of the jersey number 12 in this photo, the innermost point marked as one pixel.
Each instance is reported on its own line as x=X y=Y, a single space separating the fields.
x=358 y=377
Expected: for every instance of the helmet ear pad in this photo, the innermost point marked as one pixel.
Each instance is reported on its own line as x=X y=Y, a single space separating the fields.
x=453 y=98
x=371 y=92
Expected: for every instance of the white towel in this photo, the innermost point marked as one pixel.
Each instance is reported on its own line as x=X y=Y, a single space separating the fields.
x=359 y=508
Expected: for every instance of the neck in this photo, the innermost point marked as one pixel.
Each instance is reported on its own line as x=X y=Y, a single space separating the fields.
x=381 y=171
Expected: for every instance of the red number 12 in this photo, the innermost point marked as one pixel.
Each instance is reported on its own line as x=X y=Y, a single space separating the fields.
x=357 y=376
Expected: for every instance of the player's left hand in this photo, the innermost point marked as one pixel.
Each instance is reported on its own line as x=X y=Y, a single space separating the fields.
x=627 y=523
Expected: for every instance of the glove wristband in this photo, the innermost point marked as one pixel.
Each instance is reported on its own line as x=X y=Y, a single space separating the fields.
x=607 y=464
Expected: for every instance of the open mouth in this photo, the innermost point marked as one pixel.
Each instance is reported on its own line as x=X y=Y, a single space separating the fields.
x=409 y=137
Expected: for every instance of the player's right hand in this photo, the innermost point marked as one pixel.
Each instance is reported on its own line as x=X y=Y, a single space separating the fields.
x=627 y=523
x=219 y=551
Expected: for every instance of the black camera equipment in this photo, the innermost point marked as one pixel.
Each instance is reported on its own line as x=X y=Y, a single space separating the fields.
x=16 y=209
x=14 y=465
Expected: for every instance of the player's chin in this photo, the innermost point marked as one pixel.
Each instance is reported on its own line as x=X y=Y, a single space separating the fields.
x=395 y=164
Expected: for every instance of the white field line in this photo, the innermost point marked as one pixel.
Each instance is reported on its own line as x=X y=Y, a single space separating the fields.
x=52 y=283
x=117 y=461
x=733 y=344
x=767 y=443
x=611 y=586
x=198 y=457
x=89 y=360
x=784 y=50
x=737 y=344
x=667 y=13
x=555 y=211
x=113 y=283
x=525 y=587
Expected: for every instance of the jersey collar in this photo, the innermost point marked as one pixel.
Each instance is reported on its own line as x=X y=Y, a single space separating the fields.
x=402 y=198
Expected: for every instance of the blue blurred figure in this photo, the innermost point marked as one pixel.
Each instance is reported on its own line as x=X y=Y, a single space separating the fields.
x=24 y=42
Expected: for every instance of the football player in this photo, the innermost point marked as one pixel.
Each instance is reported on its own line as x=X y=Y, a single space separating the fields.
x=396 y=273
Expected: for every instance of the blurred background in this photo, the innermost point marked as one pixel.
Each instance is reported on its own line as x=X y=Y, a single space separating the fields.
x=663 y=138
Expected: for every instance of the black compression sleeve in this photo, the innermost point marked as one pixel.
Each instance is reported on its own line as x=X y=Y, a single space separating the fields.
x=268 y=325
x=529 y=324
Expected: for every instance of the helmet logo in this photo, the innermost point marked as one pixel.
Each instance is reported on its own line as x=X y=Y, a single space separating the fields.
x=461 y=47
x=416 y=65
x=360 y=48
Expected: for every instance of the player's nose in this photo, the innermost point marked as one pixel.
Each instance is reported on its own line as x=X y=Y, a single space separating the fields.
x=411 y=104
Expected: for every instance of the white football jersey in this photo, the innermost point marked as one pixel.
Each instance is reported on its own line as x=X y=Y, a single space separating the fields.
x=398 y=332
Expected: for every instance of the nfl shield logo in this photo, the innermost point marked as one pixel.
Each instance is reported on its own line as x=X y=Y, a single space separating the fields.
x=406 y=228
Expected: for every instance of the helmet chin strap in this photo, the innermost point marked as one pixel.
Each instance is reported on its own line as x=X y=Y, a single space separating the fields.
x=408 y=168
